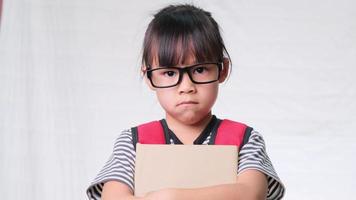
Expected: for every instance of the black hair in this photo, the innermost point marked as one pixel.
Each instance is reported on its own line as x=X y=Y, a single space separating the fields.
x=178 y=31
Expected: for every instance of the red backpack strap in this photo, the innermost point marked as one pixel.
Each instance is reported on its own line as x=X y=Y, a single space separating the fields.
x=232 y=133
x=148 y=133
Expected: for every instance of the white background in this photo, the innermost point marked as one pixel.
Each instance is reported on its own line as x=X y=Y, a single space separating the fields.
x=70 y=82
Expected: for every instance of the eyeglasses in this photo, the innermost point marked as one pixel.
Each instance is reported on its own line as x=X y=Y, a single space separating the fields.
x=202 y=73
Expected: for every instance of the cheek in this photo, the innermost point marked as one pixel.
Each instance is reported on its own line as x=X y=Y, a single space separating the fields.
x=212 y=99
x=165 y=99
x=210 y=94
x=212 y=91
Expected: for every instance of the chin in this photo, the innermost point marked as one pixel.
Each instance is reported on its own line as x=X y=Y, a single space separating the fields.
x=189 y=121
x=190 y=118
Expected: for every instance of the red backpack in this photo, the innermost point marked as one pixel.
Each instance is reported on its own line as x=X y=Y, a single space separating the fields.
x=228 y=133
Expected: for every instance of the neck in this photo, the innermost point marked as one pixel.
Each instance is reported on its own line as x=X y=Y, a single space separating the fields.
x=187 y=133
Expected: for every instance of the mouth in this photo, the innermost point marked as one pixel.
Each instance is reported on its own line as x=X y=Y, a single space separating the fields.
x=187 y=103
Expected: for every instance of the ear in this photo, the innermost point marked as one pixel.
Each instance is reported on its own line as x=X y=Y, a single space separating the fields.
x=225 y=70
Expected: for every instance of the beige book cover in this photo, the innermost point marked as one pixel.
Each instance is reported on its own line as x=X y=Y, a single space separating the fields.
x=183 y=166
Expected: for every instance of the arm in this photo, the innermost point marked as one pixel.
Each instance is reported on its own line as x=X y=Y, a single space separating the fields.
x=250 y=185
x=114 y=190
x=118 y=173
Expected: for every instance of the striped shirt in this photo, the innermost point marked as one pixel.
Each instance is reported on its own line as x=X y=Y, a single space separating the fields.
x=121 y=164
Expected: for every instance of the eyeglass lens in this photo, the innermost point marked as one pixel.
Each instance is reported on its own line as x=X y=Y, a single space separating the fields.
x=170 y=76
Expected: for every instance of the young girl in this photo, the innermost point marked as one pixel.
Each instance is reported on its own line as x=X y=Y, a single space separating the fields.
x=184 y=61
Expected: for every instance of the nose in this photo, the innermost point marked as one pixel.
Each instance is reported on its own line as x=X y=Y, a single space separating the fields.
x=186 y=85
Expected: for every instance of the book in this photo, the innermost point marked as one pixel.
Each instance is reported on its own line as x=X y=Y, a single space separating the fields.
x=183 y=166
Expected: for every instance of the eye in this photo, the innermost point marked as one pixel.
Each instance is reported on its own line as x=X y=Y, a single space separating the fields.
x=200 y=70
x=169 y=73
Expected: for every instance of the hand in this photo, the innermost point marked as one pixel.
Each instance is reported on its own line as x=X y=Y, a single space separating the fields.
x=164 y=194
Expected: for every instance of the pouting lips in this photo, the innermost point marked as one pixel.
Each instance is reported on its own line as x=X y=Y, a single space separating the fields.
x=187 y=103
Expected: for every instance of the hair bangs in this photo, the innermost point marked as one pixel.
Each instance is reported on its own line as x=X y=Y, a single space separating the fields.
x=179 y=33
x=174 y=47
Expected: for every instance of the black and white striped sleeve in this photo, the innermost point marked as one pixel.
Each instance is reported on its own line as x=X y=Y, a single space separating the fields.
x=120 y=166
x=253 y=155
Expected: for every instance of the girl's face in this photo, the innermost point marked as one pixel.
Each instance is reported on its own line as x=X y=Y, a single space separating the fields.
x=188 y=102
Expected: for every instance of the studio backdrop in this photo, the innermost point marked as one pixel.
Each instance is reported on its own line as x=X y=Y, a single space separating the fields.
x=70 y=83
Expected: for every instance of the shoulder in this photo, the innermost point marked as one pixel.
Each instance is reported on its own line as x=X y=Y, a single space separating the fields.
x=123 y=142
x=234 y=125
x=237 y=132
x=255 y=136
x=254 y=141
x=239 y=126
x=233 y=122
x=124 y=136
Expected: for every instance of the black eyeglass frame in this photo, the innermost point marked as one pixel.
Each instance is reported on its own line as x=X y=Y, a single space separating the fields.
x=183 y=70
